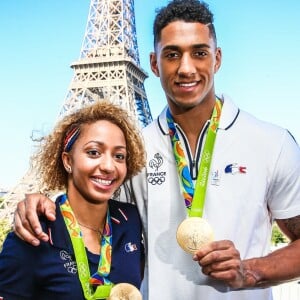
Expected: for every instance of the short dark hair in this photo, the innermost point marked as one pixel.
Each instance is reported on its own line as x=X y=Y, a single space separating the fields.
x=183 y=10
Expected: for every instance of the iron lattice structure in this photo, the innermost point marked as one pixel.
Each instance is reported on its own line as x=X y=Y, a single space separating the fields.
x=109 y=65
x=108 y=68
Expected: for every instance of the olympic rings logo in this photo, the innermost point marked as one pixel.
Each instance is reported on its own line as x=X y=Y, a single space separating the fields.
x=72 y=269
x=70 y=265
x=206 y=156
x=156 y=180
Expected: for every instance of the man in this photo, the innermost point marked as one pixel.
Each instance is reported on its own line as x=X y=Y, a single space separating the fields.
x=253 y=178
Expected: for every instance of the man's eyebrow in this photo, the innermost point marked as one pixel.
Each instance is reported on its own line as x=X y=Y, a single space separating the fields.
x=171 y=47
x=202 y=45
x=195 y=46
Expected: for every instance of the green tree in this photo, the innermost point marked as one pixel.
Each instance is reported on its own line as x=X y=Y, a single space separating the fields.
x=277 y=236
x=5 y=227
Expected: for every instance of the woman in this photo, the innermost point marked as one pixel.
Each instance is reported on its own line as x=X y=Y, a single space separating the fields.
x=95 y=242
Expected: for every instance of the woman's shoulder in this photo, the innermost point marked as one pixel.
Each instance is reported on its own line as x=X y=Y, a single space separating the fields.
x=122 y=211
x=115 y=205
x=16 y=252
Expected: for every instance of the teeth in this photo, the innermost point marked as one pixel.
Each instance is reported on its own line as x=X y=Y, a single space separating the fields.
x=188 y=84
x=102 y=181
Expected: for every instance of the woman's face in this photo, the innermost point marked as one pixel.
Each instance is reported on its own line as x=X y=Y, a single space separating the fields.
x=97 y=161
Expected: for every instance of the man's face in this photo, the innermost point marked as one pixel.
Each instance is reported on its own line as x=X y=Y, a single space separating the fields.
x=186 y=59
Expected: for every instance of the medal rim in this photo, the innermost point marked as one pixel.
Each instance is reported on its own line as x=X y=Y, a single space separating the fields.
x=127 y=289
x=181 y=236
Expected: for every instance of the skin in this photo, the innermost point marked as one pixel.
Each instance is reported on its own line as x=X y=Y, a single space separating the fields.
x=98 y=164
x=186 y=59
x=98 y=167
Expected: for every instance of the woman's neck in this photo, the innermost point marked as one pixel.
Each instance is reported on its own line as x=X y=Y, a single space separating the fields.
x=89 y=213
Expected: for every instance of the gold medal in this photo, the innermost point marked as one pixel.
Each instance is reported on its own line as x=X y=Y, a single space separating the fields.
x=124 y=291
x=193 y=233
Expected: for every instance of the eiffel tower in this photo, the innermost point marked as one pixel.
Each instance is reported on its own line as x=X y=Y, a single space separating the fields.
x=108 y=68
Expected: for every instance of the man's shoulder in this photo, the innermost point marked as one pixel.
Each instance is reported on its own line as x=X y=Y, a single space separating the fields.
x=233 y=114
x=252 y=122
x=159 y=123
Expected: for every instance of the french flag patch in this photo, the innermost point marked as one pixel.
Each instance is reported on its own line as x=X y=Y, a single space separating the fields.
x=129 y=247
x=235 y=168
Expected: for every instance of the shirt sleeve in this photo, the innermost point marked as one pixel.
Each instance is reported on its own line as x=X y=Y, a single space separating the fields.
x=284 y=193
x=17 y=265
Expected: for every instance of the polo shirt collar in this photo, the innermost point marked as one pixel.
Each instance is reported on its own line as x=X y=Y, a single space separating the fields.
x=58 y=232
x=229 y=115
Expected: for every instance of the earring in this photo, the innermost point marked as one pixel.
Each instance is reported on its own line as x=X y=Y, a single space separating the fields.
x=69 y=170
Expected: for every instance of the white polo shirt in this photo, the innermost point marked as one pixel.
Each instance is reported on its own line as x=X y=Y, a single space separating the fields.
x=254 y=178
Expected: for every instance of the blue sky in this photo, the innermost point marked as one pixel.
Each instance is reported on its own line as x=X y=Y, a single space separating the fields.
x=260 y=40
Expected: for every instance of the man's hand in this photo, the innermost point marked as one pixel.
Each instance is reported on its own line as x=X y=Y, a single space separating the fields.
x=221 y=260
x=26 y=222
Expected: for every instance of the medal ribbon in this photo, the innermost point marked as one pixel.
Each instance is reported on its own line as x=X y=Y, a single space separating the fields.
x=194 y=197
x=99 y=279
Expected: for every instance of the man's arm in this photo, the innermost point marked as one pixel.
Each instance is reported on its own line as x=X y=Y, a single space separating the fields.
x=282 y=264
x=26 y=221
x=221 y=260
x=290 y=227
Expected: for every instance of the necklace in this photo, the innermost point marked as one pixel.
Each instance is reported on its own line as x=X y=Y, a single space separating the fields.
x=98 y=285
x=91 y=228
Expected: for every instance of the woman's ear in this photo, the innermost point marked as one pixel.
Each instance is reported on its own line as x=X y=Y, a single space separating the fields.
x=66 y=159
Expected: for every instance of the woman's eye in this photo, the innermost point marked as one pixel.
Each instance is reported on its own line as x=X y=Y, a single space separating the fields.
x=120 y=156
x=93 y=152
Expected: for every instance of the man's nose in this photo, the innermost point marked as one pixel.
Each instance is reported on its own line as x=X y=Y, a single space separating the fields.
x=186 y=66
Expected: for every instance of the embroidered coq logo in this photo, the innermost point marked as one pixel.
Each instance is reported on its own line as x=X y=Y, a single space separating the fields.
x=156 y=162
x=156 y=177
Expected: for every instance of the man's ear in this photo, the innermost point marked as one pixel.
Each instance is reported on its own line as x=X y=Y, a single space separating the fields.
x=153 y=64
x=218 y=60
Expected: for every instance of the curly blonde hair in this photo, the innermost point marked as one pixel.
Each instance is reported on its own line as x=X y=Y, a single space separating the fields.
x=48 y=162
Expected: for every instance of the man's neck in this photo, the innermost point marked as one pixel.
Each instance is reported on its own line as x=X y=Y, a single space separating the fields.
x=192 y=122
